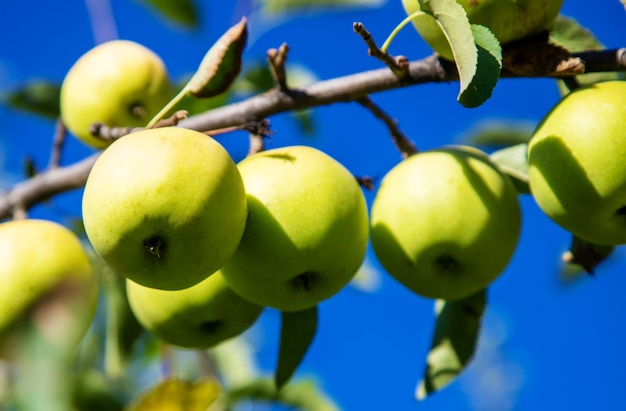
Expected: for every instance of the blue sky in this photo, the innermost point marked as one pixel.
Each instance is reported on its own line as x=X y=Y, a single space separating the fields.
x=545 y=345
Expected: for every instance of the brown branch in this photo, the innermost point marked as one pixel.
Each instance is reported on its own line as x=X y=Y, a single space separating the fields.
x=107 y=133
x=398 y=65
x=43 y=186
x=57 y=145
x=277 y=59
x=257 y=144
x=402 y=142
x=257 y=108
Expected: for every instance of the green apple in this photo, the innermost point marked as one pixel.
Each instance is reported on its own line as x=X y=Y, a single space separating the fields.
x=165 y=207
x=200 y=316
x=445 y=222
x=307 y=229
x=47 y=281
x=118 y=83
x=576 y=163
x=508 y=20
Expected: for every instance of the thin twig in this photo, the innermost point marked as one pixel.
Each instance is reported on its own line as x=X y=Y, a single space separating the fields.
x=277 y=59
x=19 y=212
x=257 y=144
x=398 y=65
x=404 y=144
x=366 y=182
x=58 y=142
x=172 y=120
x=111 y=134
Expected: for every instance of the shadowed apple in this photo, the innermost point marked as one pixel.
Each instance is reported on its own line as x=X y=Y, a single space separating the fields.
x=445 y=223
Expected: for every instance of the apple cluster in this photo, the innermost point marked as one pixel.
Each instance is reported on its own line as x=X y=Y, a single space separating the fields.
x=205 y=243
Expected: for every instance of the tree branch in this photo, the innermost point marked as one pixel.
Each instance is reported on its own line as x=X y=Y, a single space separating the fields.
x=342 y=89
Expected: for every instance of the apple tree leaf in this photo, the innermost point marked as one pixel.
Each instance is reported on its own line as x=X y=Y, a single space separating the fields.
x=273 y=7
x=513 y=161
x=39 y=97
x=122 y=328
x=304 y=394
x=454 y=341
x=488 y=68
x=571 y=35
x=93 y=391
x=297 y=330
x=221 y=64
x=476 y=51
x=497 y=134
x=182 y=12
x=177 y=395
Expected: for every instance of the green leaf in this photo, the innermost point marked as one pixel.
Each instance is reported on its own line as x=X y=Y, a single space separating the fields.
x=302 y=395
x=222 y=63
x=454 y=343
x=39 y=97
x=499 y=133
x=513 y=161
x=488 y=68
x=177 y=395
x=296 y=334
x=476 y=51
x=571 y=35
x=94 y=392
x=183 y=12
x=288 y=6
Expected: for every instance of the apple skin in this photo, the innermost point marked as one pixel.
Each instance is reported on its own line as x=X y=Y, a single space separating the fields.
x=445 y=222
x=119 y=83
x=47 y=281
x=165 y=207
x=307 y=229
x=576 y=163
x=201 y=316
x=508 y=20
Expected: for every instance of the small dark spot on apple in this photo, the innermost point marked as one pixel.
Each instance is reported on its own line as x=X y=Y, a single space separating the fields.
x=155 y=245
x=447 y=263
x=210 y=327
x=304 y=281
x=136 y=109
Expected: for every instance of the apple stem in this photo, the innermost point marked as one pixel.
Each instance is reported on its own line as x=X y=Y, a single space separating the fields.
x=397 y=29
x=178 y=97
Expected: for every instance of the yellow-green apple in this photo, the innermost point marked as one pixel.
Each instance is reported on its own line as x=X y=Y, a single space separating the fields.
x=47 y=282
x=576 y=163
x=508 y=20
x=200 y=316
x=445 y=222
x=118 y=83
x=165 y=207
x=307 y=229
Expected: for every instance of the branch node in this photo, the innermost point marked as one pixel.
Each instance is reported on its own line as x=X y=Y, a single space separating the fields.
x=398 y=65
x=111 y=134
x=276 y=59
x=173 y=120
